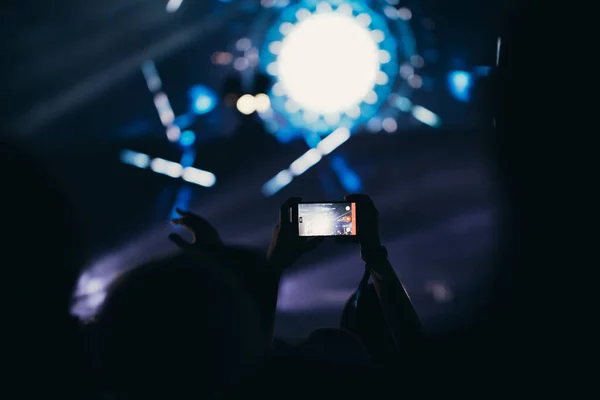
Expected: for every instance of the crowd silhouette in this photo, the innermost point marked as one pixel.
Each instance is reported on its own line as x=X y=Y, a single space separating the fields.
x=200 y=323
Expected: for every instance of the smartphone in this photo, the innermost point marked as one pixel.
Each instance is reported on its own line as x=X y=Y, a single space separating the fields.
x=326 y=219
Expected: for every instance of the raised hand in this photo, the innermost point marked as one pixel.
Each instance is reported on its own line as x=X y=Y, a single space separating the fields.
x=204 y=235
x=368 y=221
x=286 y=246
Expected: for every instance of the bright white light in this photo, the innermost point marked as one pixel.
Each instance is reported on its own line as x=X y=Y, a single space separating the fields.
x=277 y=183
x=328 y=63
x=166 y=167
x=384 y=57
x=274 y=47
x=425 y=116
x=307 y=160
x=199 y=177
x=278 y=89
x=364 y=19
x=323 y=7
x=292 y=107
x=136 y=159
x=345 y=9
x=173 y=133
x=302 y=14
x=286 y=28
x=262 y=103
x=246 y=104
x=173 y=5
x=382 y=78
x=333 y=140
x=371 y=98
x=378 y=35
x=353 y=112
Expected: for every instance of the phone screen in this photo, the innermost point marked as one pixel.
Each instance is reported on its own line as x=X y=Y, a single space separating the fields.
x=327 y=219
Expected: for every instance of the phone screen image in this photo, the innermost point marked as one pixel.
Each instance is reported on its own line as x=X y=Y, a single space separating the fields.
x=327 y=219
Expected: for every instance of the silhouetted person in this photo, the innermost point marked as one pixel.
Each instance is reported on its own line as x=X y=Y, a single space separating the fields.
x=364 y=317
x=247 y=264
x=42 y=348
x=177 y=328
x=536 y=150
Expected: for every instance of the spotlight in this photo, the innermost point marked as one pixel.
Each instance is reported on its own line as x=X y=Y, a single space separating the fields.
x=187 y=138
x=203 y=99
x=246 y=104
x=459 y=83
x=262 y=102
x=333 y=63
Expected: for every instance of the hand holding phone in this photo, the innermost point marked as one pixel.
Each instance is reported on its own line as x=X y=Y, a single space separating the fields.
x=286 y=246
x=369 y=221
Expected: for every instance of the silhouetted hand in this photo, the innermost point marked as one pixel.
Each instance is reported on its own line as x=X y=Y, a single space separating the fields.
x=204 y=235
x=286 y=246
x=368 y=221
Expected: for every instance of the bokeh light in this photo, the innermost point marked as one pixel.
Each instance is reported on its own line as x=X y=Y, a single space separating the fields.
x=203 y=99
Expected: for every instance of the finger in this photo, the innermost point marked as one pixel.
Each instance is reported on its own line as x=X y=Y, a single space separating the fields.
x=285 y=210
x=200 y=228
x=181 y=222
x=179 y=241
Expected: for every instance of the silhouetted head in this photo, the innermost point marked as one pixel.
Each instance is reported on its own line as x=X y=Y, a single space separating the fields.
x=38 y=231
x=177 y=326
x=40 y=270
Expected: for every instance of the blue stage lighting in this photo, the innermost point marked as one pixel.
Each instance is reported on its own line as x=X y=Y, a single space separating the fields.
x=187 y=138
x=203 y=99
x=459 y=84
x=334 y=63
x=348 y=178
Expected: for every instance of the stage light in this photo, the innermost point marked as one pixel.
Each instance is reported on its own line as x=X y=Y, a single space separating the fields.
x=319 y=68
x=246 y=104
x=348 y=178
x=173 y=133
x=203 y=99
x=459 y=84
x=425 y=116
x=173 y=5
x=199 y=177
x=187 y=138
x=262 y=103
x=307 y=161
x=136 y=159
x=169 y=168
x=334 y=62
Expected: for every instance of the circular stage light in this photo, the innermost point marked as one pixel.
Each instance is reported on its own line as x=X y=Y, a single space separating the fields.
x=334 y=63
x=328 y=63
